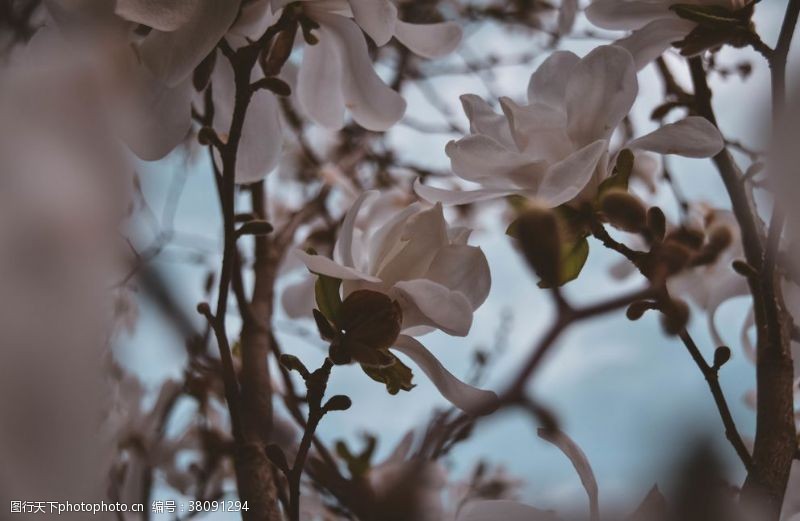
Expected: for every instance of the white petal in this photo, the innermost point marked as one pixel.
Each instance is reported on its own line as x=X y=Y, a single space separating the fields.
x=549 y=82
x=649 y=42
x=373 y=104
x=426 y=303
x=297 y=299
x=319 y=85
x=376 y=17
x=343 y=251
x=262 y=139
x=601 y=90
x=386 y=240
x=539 y=129
x=626 y=14
x=162 y=15
x=483 y=160
x=484 y=120
x=156 y=117
x=325 y=266
x=579 y=461
x=429 y=40
x=457 y=197
x=464 y=269
x=173 y=56
x=422 y=235
x=467 y=398
x=567 y=178
x=694 y=136
x=501 y=509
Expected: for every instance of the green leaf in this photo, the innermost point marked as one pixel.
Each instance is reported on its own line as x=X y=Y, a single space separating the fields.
x=396 y=377
x=573 y=258
x=329 y=301
x=621 y=175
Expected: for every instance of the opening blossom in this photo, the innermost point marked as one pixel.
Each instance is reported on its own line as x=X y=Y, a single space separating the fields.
x=336 y=73
x=556 y=148
x=654 y=24
x=427 y=267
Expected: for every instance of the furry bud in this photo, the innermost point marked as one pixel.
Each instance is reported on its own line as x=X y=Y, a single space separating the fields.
x=624 y=210
x=675 y=316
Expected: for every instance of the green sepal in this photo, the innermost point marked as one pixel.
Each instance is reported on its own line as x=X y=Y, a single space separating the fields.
x=396 y=377
x=329 y=300
x=620 y=176
x=573 y=259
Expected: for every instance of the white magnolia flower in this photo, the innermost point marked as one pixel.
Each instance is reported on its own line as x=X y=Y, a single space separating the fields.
x=556 y=148
x=655 y=26
x=425 y=265
x=337 y=73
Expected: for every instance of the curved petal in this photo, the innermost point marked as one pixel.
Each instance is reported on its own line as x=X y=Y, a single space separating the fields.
x=373 y=104
x=484 y=120
x=421 y=237
x=376 y=17
x=601 y=90
x=694 y=136
x=626 y=14
x=385 y=241
x=464 y=269
x=581 y=463
x=549 y=82
x=173 y=56
x=155 y=117
x=262 y=139
x=566 y=179
x=325 y=266
x=539 y=129
x=483 y=160
x=159 y=14
x=297 y=299
x=319 y=85
x=343 y=250
x=469 y=399
x=429 y=40
x=426 y=303
x=649 y=42
x=457 y=197
x=507 y=510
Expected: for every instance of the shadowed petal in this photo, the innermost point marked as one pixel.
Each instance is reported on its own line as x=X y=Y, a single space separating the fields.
x=467 y=398
x=694 y=136
x=429 y=40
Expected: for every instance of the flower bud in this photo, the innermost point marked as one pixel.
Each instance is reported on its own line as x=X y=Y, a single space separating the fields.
x=539 y=235
x=719 y=238
x=370 y=322
x=339 y=402
x=675 y=316
x=624 y=210
x=637 y=309
x=656 y=222
x=673 y=255
x=292 y=363
x=272 y=62
x=689 y=237
x=721 y=355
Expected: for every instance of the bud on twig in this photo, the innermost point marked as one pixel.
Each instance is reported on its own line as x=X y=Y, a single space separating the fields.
x=624 y=210
x=637 y=309
x=721 y=356
x=675 y=316
x=339 y=402
x=656 y=222
x=292 y=363
x=254 y=228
